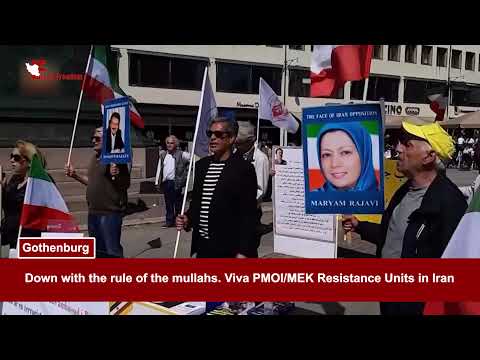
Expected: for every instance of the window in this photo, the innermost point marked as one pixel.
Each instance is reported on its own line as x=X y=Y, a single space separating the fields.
x=456 y=59
x=427 y=55
x=465 y=95
x=311 y=48
x=244 y=78
x=411 y=54
x=297 y=47
x=149 y=71
x=394 y=52
x=296 y=87
x=378 y=52
x=234 y=78
x=441 y=57
x=415 y=91
x=356 y=89
x=187 y=73
x=382 y=87
x=470 y=61
x=165 y=72
x=273 y=77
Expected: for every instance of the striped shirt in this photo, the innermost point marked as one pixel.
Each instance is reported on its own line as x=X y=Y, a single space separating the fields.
x=208 y=187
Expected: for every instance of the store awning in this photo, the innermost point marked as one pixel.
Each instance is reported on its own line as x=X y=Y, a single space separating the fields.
x=467 y=121
x=395 y=122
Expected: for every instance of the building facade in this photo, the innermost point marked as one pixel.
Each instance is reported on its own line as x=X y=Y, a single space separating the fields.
x=166 y=80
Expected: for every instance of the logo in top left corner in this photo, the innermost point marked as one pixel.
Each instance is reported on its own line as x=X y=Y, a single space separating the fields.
x=36 y=67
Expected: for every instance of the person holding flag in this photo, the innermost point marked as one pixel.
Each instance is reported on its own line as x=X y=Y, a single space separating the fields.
x=107 y=199
x=223 y=210
x=20 y=196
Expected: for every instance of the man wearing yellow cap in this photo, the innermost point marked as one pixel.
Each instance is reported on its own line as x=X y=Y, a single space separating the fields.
x=424 y=212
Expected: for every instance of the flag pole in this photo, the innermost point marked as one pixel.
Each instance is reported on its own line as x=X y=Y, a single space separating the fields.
x=283 y=132
x=348 y=236
x=258 y=113
x=192 y=155
x=365 y=90
x=78 y=106
x=448 y=77
x=20 y=228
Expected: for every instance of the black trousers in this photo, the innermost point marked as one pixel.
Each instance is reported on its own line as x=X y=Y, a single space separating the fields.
x=173 y=201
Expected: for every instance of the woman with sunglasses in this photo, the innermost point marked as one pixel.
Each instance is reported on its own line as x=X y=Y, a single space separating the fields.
x=13 y=192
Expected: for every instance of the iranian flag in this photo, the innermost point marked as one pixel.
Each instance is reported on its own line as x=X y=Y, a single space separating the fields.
x=314 y=173
x=438 y=98
x=101 y=81
x=333 y=65
x=43 y=205
x=463 y=244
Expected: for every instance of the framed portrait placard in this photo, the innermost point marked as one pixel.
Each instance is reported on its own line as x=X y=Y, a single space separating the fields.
x=116 y=147
x=343 y=159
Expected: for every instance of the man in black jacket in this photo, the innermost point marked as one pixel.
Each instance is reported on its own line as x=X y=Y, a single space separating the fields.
x=223 y=208
x=424 y=212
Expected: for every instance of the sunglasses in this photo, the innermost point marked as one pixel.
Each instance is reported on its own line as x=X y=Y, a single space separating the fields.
x=16 y=157
x=218 y=134
x=96 y=138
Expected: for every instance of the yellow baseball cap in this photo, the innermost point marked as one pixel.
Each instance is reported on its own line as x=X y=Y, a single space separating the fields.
x=435 y=135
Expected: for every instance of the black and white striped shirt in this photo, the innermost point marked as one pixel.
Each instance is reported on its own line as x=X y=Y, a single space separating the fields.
x=209 y=183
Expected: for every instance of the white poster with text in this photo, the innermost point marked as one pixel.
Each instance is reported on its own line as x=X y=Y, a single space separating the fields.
x=55 y=308
x=295 y=232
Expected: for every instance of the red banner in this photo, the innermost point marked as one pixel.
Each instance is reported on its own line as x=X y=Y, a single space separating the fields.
x=240 y=280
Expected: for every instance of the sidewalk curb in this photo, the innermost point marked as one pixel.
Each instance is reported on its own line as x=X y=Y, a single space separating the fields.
x=133 y=222
x=145 y=221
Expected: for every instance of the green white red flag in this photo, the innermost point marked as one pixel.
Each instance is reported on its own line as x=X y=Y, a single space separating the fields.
x=43 y=206
x=101 y=82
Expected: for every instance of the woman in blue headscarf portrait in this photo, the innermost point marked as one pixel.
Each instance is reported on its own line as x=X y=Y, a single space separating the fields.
x=345 y=157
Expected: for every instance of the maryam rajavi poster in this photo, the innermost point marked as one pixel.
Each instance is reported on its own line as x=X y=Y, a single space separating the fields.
x=343 y=159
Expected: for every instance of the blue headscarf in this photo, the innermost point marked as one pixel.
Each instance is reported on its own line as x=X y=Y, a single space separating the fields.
x=361 y=139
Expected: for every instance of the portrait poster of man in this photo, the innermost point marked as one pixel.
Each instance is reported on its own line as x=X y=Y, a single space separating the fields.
x=343 y=159
x=116 y=132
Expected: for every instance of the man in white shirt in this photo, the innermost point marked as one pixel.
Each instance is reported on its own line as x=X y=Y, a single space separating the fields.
x=172 y=171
